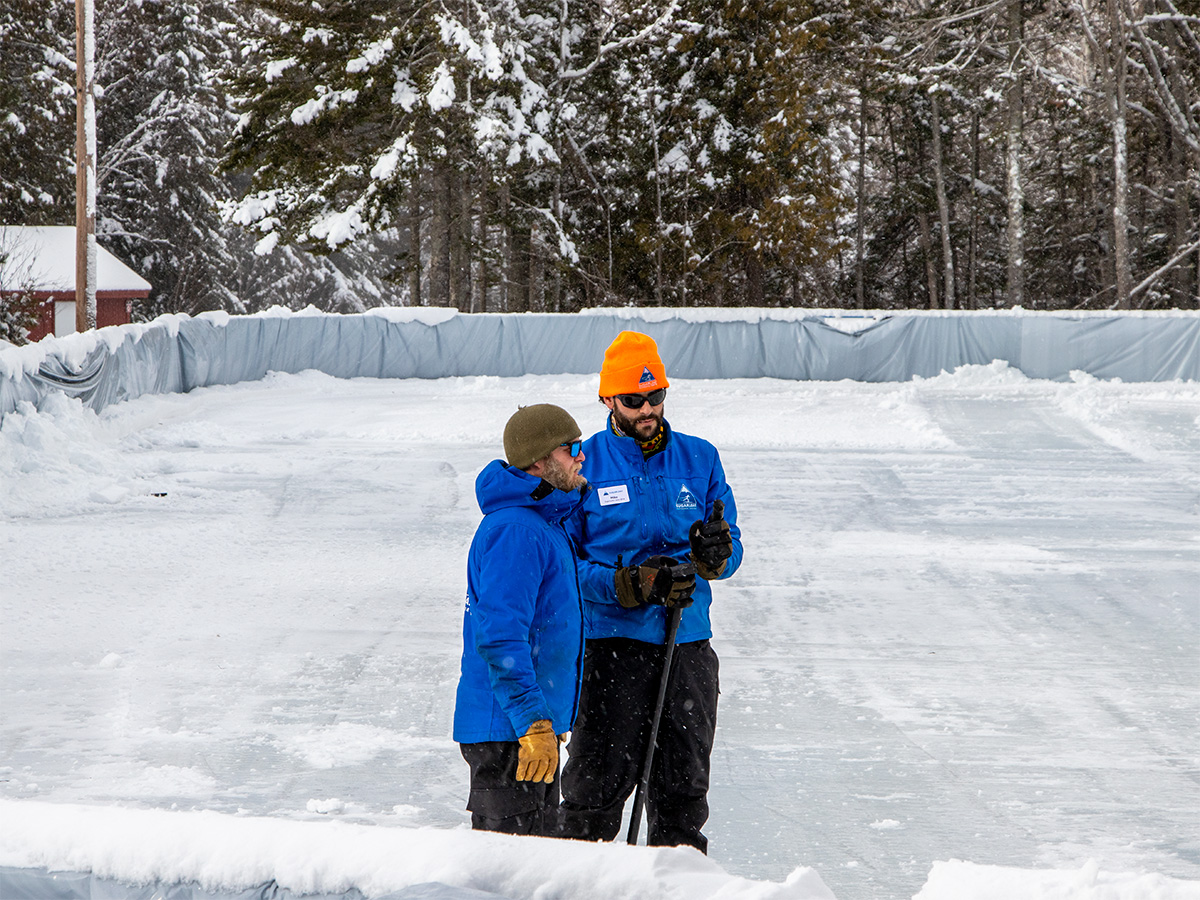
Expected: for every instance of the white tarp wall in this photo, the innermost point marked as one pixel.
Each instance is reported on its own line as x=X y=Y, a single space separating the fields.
x=178 y=353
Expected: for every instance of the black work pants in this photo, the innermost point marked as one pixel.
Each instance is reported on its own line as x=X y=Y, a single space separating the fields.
x=608 y=741
x=498 y=802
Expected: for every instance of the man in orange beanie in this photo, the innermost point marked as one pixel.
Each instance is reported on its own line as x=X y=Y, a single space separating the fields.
x=656 y=494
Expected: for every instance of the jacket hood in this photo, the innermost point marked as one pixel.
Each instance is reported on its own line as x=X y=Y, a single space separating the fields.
x=500 y=486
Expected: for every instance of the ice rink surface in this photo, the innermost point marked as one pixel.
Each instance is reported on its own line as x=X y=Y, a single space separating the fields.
x=967 y=625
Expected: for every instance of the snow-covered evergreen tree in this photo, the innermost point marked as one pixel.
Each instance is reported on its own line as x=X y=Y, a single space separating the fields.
x=37 y=113
x=542 y=154
x=161 y=119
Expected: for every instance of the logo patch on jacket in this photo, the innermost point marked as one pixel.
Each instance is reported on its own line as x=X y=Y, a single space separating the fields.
x=685 y=499
x=647 y=377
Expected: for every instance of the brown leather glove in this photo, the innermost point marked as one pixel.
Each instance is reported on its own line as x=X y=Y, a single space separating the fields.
x=537 y=757
x=659 y=580
x=711 y=542
x=632 y=584
x=710 y=574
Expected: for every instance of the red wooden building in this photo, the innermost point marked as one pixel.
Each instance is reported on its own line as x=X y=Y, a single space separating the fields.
x=41 y=261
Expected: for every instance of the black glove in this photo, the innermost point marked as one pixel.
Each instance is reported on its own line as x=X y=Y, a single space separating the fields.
x=659 y=581
x=712 y=544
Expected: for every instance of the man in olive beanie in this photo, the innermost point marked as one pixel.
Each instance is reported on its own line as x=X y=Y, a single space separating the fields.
x=522 y=628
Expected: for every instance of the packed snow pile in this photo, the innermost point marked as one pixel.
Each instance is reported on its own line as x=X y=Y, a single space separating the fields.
x=956 y=880
x=58 y=458
x=227 y=853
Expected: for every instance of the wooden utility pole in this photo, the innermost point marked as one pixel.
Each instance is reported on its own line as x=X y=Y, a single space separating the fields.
x=85 y=166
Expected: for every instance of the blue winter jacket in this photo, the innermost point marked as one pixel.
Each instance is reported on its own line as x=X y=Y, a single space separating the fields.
x=639 y=508
x=523 y=628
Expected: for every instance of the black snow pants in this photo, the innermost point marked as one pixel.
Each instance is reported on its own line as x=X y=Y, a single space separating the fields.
x=498 y=802
x=608 y=741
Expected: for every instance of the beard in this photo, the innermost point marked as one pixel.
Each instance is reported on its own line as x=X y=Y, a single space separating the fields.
x=558 y=476
x=642 y=427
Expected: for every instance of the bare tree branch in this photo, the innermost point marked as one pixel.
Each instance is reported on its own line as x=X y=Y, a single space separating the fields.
x=606 y=49
x=1165 y=268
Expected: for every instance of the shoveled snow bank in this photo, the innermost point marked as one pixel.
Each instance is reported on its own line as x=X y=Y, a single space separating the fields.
x=234 y=853
x=223 y=852
x=956 y=880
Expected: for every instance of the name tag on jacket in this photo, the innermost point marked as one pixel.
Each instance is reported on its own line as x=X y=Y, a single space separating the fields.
x=609 y=496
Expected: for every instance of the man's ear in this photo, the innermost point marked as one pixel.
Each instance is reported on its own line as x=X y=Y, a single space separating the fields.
x=537 y=468
x=607 y=401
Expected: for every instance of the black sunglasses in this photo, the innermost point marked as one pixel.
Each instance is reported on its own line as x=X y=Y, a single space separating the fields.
x=635 y=401
x=573 y=447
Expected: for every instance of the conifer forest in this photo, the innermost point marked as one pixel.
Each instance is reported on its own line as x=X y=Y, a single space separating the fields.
x=552 y=155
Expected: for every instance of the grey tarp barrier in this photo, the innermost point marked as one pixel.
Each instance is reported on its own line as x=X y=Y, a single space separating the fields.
x=40 y=884
x=180 y=355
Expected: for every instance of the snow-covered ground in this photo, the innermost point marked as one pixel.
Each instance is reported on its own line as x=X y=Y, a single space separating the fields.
x=967 y=628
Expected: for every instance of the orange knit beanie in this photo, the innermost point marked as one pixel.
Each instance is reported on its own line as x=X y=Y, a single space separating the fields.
x=631 y=366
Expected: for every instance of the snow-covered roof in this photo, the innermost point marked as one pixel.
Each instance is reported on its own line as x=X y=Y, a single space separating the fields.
x=43 y=259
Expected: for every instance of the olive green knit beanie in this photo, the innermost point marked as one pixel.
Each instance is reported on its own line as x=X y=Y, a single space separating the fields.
x=534 y=432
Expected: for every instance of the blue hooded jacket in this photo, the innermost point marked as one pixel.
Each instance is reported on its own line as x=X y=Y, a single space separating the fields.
x=639 y=508
x=522 y=629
